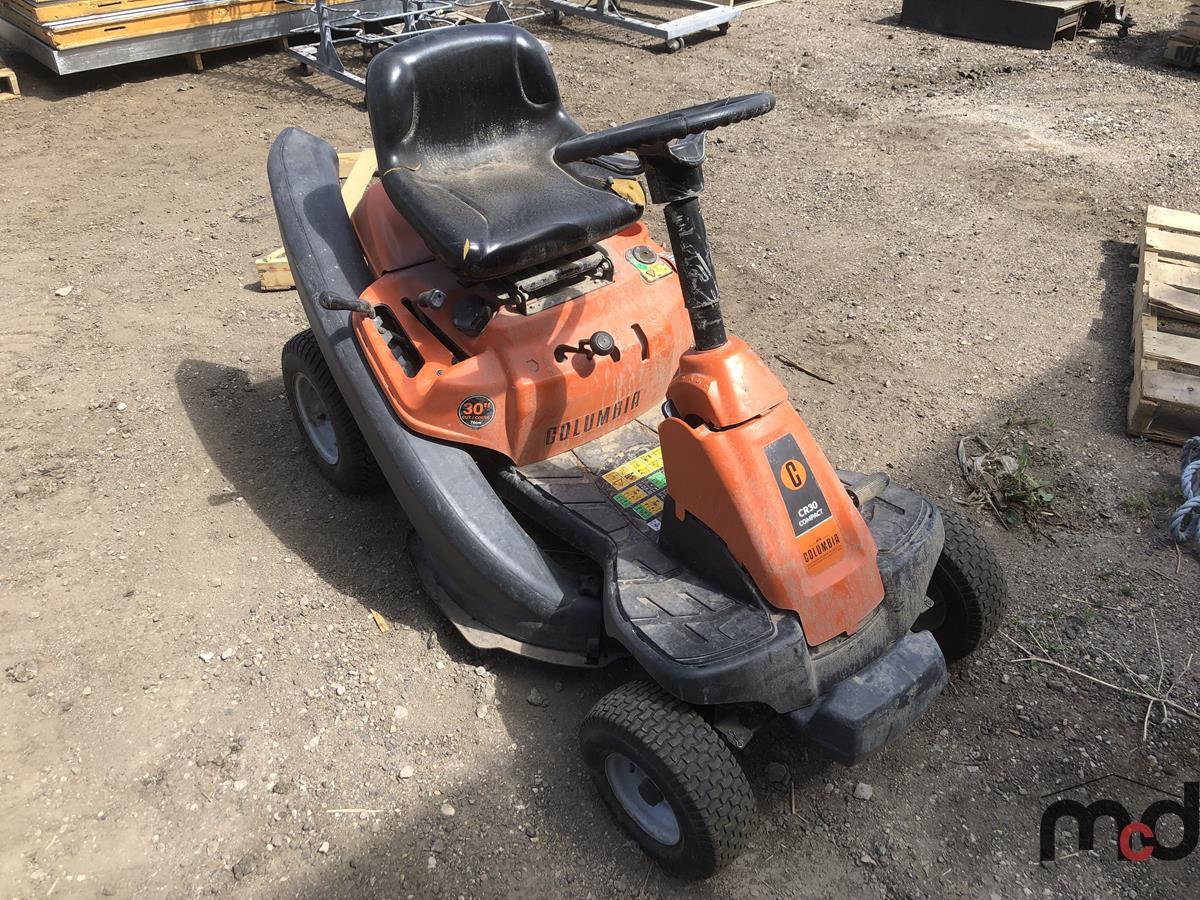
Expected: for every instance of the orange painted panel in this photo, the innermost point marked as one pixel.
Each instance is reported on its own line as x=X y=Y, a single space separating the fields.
x=507 y=391
x=764 y=485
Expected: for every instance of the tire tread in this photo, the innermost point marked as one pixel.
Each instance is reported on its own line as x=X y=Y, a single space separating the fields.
x=973 y=572
x=718 y=795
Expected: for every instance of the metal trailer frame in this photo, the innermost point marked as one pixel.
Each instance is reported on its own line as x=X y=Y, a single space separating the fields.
x=672 y=31
x=374 y=31
x=173 y=43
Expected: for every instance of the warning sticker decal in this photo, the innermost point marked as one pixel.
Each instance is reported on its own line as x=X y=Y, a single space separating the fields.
x=651 y=267
x=639 y=487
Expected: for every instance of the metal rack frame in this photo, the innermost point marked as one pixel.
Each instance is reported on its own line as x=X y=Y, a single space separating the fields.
x=339 y=26
x=672 y=31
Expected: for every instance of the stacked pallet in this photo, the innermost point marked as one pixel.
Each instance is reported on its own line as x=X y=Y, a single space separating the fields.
x=1183 y=47
x=9 y=88
x=1164 y=399
x=67 y=24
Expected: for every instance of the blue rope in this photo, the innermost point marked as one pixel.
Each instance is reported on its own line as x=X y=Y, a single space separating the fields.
x=1185 y=522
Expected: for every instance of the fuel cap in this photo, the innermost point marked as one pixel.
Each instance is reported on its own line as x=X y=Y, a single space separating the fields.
x=644 y=255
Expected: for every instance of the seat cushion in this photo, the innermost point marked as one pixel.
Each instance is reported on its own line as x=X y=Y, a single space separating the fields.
x=465 y=122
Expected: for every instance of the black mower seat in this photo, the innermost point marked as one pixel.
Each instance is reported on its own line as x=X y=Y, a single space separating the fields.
x=465 y=122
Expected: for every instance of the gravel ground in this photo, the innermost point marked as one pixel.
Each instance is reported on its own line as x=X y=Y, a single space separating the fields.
x=197 y=700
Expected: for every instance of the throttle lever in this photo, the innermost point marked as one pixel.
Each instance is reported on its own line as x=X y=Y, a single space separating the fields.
x=332 y=301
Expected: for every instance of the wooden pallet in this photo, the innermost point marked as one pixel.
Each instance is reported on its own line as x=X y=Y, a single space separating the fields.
x=356 y=171
x=1164 y=399
x=10 y=89
x=1183 y=47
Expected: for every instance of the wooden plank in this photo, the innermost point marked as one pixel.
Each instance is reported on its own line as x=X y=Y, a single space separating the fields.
x=1172 y=302
x=356 y=170
x=1146 y=260
x=1173 y=273
x=10 y=88
x=346 y=162
x=1172 y=219
x=1177 y=388
x=1164 y=406
x=1171 y=349
x=274 y=273
x=1141 y=411
x=1173 y=243
x=73 y=9
x=360 y=176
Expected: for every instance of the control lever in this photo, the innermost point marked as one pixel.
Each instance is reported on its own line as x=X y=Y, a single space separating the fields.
x=432 y=298
x=599 y=344
x=331 y=301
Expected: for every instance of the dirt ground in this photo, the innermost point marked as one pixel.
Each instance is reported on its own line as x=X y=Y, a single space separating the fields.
x=942 y=228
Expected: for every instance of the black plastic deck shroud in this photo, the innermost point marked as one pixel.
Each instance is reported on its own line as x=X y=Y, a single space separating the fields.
x=486 y=561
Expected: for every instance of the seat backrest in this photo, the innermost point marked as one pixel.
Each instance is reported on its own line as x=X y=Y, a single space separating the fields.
x=453 y=98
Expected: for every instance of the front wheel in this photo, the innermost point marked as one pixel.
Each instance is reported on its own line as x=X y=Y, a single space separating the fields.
x=330 y=433
x=968 y=592
x=669 y=778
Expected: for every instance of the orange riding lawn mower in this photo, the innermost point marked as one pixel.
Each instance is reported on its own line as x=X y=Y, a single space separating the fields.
x=593 y=467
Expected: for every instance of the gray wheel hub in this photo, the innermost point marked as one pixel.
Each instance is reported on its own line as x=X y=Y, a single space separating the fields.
x=642 y=799
x=314 y=416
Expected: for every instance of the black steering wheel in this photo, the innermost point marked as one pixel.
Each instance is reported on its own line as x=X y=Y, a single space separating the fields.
x=657 y=131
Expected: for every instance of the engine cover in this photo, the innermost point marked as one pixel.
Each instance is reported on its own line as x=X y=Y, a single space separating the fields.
x=481 y=369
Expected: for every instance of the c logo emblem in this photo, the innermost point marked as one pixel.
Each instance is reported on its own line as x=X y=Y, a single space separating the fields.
x=793 y=475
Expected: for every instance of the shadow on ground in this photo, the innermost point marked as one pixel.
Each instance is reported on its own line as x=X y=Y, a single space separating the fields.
x=1144 y=50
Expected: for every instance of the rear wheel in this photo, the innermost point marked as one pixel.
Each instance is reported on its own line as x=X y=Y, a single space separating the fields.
x=968 y=592
x=330 y=433
x=669 y=779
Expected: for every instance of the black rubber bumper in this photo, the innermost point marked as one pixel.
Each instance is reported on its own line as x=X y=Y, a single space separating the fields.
x=485 y=561
x=864 y=712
